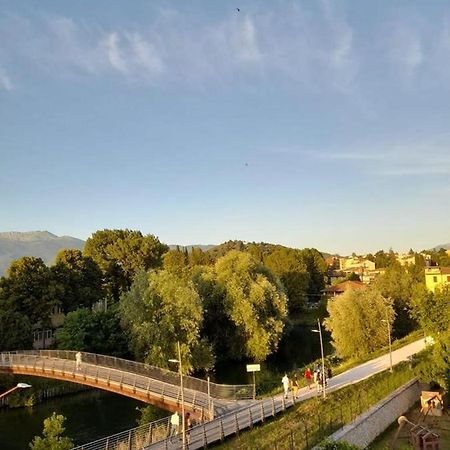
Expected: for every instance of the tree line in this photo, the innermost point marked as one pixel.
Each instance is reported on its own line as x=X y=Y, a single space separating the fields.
x=128 y=295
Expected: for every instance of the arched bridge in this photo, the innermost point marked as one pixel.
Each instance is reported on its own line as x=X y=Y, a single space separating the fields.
x=140 y=381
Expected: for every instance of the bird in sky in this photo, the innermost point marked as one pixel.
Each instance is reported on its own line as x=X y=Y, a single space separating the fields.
x=238 y=10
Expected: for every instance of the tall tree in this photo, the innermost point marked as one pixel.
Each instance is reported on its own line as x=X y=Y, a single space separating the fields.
x=254 y=301
x=80 y=277
x=121 y=253
x=31 y=289
x=317 y=269
x=358 y=321
x=288 y=264
x=160 y=309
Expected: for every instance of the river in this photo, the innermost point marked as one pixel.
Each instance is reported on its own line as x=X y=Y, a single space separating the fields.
x=90 y=415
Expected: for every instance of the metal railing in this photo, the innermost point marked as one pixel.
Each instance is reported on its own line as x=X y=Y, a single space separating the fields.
x=219 y=391
x=136 y=438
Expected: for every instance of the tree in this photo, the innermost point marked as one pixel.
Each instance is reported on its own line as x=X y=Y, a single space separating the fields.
x=16 y=331
x=288 y=264
x=80 y=278
x=357 y=321
x=52 y=435
x=120 y=254
x=160 y=309
x=254 y=301
x=433 y=314
x=197 y=257
x=397 y=283
x=93 y=331
x=31 y=290
x=317 y=269
x=174 y=261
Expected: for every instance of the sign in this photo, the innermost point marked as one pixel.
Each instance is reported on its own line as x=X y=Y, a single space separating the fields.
x=253 y=367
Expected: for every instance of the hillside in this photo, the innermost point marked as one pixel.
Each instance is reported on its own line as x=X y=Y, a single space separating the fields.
x=446 y=246
x=42 y=244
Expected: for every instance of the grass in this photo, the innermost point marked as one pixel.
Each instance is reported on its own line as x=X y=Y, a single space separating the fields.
x=311 y=421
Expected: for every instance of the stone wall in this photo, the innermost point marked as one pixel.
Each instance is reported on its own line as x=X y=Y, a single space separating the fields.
x=368 y=426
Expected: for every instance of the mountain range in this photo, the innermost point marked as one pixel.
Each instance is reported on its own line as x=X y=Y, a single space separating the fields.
x=42 y=244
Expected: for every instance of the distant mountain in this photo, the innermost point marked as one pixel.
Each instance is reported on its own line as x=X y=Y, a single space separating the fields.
x=41 y=244
x=446 y=246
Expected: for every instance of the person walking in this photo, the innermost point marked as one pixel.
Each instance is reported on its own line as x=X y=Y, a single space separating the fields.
x=174 y=425
x=78 y=360
x=308 y=377
x=285 y=382
x=295 y=386
x=187 y=426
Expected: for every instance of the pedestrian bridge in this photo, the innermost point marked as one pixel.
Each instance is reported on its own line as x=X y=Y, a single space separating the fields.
x=149 y=384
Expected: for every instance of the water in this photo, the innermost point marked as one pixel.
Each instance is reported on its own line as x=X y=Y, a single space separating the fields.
x=90 y=415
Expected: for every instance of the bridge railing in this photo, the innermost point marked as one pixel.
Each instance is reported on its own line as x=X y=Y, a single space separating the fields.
x=136 y=438
x=219 y=391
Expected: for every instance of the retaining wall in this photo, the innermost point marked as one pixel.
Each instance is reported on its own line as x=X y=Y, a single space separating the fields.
x=368 y=426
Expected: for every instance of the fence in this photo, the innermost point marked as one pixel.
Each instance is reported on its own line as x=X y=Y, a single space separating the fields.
x=137 y=438
x=221 y=391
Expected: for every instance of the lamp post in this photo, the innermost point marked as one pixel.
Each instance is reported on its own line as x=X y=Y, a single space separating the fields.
x=388 y=303
x=323 y=359
x=180 y=370
x=18 y=386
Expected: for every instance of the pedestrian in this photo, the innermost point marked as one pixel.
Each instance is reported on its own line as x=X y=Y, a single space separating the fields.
x=78 y=360
x=319 y=381
x=308 y=377
x=187 y=426
x=174 y=425
x=329 y=373
x=295 y=386
x=285 y=382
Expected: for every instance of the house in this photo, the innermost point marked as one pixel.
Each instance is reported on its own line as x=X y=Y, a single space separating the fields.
x=436 y=276
x=340 y=288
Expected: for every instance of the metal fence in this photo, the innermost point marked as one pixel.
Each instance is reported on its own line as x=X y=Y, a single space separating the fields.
x=219 y=391
x=137 y=438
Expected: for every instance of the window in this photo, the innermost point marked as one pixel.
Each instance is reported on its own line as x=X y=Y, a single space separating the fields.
x=435 y=279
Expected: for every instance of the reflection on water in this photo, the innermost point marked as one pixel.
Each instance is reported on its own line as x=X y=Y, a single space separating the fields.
x=90 y=415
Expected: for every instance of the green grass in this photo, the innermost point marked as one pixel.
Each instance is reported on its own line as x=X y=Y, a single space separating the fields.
x=311 y=421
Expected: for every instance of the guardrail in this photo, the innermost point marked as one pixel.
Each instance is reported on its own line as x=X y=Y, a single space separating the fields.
x=136 y=438
x=219 y=391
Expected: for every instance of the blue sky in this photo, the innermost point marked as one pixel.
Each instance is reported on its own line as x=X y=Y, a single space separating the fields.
x=310 y=123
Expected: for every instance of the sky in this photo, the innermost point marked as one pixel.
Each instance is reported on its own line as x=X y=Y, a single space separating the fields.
x=304 y=123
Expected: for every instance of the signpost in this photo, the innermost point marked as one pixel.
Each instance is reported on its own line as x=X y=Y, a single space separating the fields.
x=254 y=368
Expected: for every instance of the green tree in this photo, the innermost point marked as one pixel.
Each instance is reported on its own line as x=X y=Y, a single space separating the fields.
x=52 y=435
x=433 y=314
x=289 y=266
x=31 y=290
x=254 y=300
x=16 y=330
x=80 y=278
x=120 y=254
x=160 y=309
x=357 y=321
x=175 y=261
x=197 y=257
x=397 y=283
x=93 y=331
x=317 y=269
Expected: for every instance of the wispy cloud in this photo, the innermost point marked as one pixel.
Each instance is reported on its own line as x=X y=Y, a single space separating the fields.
x=422 y=156
x=309 y=47
x=5 y=82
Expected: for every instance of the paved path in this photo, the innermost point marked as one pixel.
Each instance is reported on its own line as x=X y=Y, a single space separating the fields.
x=253 y=412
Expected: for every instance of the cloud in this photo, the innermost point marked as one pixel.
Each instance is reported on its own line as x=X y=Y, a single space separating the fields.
x=306 y=47
x=419 y=157
x=5 y=82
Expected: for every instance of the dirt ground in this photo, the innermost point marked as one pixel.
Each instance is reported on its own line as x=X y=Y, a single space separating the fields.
x=439 y=425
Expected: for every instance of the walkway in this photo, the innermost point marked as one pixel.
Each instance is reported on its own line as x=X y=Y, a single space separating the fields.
x=149 y=384
x=232 y=423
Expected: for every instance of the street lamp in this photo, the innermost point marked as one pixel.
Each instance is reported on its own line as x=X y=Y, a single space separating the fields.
x=323 y=359
x=18 y=386
x=390 y=343
x=180 y=370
